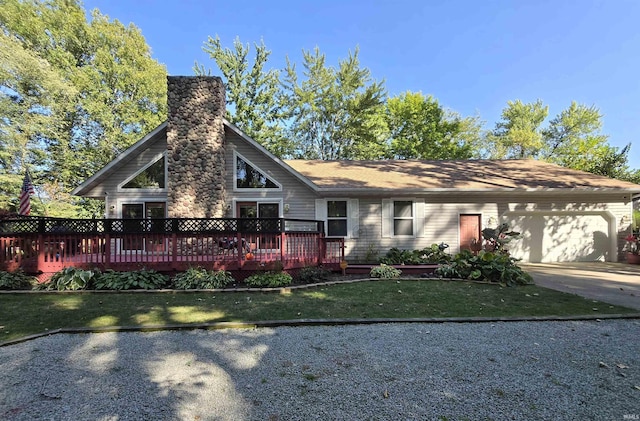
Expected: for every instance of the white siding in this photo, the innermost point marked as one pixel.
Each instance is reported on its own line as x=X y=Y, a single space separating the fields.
x=441 y=219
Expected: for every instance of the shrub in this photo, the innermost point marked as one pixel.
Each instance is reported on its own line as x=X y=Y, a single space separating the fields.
x=433 y=254
x=200 y=278
x=138 y=279
x=71 y=279
x=385 y=272
x=312 y=275
x=16 y=280
x=486 y=266
x=269 y=279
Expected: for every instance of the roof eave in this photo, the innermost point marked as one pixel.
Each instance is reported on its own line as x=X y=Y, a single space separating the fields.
x=499 y=191
x=94 y=179
x=262 y=149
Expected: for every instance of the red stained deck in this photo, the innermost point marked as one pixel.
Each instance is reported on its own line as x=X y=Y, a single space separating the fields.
x=40 y=245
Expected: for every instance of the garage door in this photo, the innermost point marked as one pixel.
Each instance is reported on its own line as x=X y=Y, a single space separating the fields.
x=567 y=237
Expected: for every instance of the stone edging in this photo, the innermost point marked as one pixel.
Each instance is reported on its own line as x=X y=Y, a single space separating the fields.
x=317 y=322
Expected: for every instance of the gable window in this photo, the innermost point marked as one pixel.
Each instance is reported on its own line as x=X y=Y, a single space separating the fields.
x=249 y=176
x=402 y=217
x=337 y=218
x=151 y=177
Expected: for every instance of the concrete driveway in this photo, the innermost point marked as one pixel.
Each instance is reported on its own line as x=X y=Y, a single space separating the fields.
x=614 y=283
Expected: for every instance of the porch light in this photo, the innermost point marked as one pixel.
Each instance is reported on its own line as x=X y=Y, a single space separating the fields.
x=286 y=208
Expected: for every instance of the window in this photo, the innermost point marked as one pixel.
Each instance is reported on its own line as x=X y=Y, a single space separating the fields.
x=152 y=177
x=337 y=218
x=402 y=217
x=340 y=217
x=250 y=177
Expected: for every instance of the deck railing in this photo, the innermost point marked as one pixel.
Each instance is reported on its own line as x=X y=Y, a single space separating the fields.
x=37 y=244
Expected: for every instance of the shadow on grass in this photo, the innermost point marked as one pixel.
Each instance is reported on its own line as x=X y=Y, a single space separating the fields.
x=26 y=314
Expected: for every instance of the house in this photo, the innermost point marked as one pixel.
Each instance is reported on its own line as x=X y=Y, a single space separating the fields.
x=198 y=164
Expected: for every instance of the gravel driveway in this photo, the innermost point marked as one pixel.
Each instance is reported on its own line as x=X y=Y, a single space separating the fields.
x=581 y=370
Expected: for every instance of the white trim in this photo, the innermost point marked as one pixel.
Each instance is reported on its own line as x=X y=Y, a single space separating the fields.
x=260 y=200
x=136 y=201
x=163 y=155
x=388 y=213
x=118 y=159
x=481 y=215
x=352 y=216
x=237 y=155
x=274 y=158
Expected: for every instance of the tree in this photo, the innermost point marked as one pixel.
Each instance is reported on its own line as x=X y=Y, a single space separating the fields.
x=573 y=140
x=421 y=128
x=518 y=134
x=254 y=95
x=335 y=113
x=76 y=93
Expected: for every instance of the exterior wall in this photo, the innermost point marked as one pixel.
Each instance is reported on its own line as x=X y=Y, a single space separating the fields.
x=113 y=196
x=441 y=216
x=299 y=197
x=195 y=147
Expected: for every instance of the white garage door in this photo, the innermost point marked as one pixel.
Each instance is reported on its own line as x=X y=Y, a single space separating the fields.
x=566 y=237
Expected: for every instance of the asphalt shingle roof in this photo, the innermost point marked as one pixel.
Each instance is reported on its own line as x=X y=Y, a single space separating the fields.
x=525 y=174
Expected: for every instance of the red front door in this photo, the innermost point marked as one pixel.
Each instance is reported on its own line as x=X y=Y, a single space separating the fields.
x=469 y=231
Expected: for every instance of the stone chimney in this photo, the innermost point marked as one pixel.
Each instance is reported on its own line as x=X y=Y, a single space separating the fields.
x=195 y=147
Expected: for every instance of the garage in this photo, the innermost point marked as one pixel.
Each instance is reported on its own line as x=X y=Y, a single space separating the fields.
x=562 y=237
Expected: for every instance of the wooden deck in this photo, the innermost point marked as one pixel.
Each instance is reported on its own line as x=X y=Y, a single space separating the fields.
x=47 y=245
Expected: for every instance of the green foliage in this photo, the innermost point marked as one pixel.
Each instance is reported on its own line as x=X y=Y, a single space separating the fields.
x=253 y=93
x=139 y=279
x=384 y=272
x=572 y=139
x=72 y=279
x=487 y=267
x=335 y=113
x=636 y=220
x=433 y=254
x=312 y=275
x=421 y=128
x=269 y=279
x=496 y=239
x=73 y=94
x=200 y=278
x=518 y=134
x=16 y=280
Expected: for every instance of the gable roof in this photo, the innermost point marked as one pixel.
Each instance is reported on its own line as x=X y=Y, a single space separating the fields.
x=405 y=176
x=121 y=160
x=467 y=175
x=161 y=132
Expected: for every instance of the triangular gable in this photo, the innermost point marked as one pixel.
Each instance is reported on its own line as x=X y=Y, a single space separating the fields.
x=152 y=176
x=119 y=161
x=85 y=188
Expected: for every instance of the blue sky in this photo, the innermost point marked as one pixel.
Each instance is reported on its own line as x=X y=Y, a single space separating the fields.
x=473 y=56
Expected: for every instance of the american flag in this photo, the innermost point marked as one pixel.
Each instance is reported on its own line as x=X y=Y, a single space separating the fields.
x=25 y=195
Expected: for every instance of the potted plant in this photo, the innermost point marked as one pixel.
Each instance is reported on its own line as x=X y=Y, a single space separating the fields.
x=632 y=247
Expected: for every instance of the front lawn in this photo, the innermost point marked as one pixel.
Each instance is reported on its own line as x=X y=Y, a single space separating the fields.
x=25 y=314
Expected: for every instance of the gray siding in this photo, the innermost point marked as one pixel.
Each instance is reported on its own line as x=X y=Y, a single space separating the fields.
x=300 y=197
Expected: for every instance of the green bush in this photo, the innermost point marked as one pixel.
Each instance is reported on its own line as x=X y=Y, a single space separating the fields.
x=385 y=272
x=16 y=280
x=486 y=266
x=269 y=279
x=434 y=254
x=201 y=278
x=139 y=279
x=312 y=275
x=71 y=279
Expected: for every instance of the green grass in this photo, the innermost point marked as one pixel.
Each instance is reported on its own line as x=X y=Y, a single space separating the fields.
x=24 y=314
